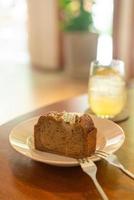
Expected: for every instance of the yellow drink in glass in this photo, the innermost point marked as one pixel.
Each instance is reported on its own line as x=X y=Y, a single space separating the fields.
x=107 y=93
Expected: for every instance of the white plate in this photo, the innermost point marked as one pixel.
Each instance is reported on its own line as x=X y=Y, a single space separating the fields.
x=110 y=137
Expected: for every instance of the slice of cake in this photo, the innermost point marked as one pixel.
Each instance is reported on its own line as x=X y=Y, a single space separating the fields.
x=67 y=134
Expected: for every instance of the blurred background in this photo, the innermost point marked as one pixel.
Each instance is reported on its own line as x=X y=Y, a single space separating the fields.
x=46 y=48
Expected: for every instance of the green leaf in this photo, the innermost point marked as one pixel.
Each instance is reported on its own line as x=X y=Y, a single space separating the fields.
x=82 y=21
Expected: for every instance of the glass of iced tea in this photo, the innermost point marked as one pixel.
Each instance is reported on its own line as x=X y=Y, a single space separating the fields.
x=107 y=88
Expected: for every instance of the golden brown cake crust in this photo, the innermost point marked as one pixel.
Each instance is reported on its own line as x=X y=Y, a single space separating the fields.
x=67 y=134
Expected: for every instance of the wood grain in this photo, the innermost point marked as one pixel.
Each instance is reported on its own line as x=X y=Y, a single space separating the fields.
x=24 y=179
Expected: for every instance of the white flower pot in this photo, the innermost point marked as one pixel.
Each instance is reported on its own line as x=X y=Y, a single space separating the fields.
x=80 y=48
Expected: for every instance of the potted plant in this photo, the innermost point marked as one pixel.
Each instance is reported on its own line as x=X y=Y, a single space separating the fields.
x=80 y=39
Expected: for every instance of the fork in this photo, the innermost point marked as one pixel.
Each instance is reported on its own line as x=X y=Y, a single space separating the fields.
x=113 y=160
x=90 y=168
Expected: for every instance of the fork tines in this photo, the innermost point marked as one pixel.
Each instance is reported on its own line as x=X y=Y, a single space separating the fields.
x=102 y=153
x=83 y=160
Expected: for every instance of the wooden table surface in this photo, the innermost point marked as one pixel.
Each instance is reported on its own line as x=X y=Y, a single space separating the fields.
x=24 y=179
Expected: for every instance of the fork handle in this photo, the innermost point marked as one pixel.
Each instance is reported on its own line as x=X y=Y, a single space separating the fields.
x=127 y=172
x=100 y=190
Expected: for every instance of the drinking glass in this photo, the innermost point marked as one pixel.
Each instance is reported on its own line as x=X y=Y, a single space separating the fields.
x=107 y=88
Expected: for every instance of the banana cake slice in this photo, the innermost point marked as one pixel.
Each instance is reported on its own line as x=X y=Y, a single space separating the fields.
x=68 y=134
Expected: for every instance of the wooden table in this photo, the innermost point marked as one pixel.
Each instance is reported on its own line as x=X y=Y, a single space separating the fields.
x=24 y=179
